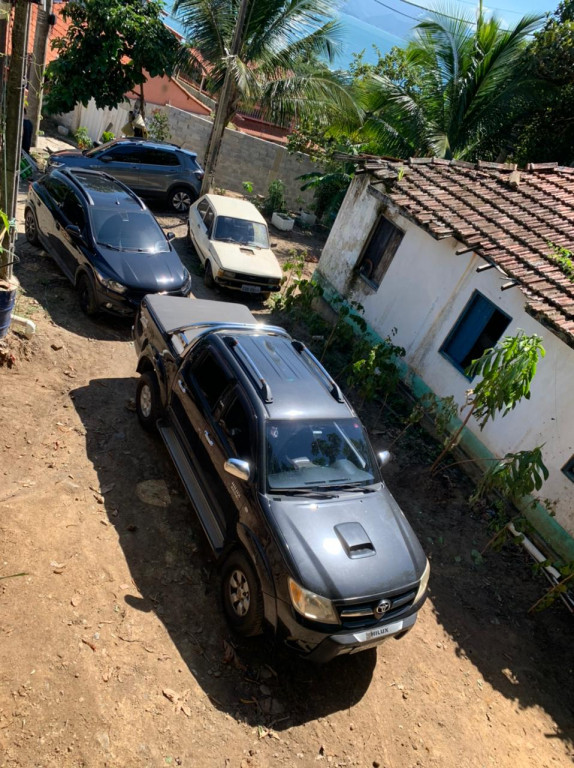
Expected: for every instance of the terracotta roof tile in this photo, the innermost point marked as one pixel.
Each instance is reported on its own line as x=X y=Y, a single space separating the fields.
x=510 y=217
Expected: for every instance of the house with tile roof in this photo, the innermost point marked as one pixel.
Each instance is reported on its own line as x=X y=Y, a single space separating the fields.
x=454 y=256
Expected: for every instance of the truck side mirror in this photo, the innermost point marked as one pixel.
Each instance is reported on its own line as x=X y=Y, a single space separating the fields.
x=238 y=468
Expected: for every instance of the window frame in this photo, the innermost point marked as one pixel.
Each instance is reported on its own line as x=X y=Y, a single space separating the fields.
x=463 y=316
x=568 y=469
x=392 y=244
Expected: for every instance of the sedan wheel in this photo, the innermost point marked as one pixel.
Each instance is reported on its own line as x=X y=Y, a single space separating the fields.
x=31 y=227
x=88 y=303
x=208 y=276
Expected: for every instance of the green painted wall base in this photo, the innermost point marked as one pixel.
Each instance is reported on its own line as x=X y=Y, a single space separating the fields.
x=556 y=538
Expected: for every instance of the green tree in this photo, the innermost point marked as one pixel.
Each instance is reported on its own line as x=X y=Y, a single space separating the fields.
x=506 y=372
x=548 y=134
x=458 y=85
x=105 y=51
x=278 y=67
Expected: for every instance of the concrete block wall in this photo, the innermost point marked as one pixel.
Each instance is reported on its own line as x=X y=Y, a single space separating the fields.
x=243 y=157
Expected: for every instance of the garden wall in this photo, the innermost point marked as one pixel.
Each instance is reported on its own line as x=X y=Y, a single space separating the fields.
x=242 y=157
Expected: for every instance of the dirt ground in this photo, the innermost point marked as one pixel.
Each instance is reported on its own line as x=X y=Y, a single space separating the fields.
x=113 y=647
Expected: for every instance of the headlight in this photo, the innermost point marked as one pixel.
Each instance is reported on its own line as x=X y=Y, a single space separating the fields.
x=111 y=284
x=310 y=605
x=423 y=583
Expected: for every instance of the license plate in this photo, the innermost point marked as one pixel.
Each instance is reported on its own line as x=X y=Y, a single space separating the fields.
x=250 y=288
x=387 y=630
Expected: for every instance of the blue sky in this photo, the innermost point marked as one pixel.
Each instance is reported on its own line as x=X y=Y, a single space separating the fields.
x=390 y=22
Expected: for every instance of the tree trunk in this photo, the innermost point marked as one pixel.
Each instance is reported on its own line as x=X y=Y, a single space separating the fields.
x=36 y=86
x=9 y=175
x=226 y=104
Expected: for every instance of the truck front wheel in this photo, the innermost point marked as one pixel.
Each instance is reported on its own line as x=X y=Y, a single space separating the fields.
x=242 y=598
x=148 y=407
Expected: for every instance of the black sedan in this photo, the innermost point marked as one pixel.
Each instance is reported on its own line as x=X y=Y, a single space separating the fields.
x=104 y=239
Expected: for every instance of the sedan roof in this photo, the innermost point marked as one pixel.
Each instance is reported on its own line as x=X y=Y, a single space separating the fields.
x=234 y=207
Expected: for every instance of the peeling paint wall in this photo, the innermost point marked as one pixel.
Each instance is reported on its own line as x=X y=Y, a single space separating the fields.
x=423 y=292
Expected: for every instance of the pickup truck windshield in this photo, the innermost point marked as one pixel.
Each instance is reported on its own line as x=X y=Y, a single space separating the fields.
x=241 y=231
x=318 y=455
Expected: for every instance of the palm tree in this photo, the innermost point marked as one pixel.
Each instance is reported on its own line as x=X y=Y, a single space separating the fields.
x=470 y=85
x=271 y=69
x=278 y=65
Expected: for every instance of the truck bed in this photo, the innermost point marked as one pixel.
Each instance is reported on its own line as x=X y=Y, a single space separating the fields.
x=172 y=313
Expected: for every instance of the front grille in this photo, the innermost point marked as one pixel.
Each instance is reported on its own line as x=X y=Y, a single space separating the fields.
x=357 y=615
x=252 y=279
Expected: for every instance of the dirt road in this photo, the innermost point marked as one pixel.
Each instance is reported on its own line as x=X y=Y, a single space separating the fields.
x=113 y=647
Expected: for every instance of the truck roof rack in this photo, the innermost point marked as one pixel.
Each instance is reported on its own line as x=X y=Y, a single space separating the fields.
x=249 y=365
x=313 y=363
x=209 y=327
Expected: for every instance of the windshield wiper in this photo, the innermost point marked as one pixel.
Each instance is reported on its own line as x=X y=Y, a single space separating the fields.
x=317 y=494
x=110 y=246
x=351 y=487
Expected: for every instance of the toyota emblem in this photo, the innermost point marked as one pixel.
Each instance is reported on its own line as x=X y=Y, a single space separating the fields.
x=382 y=607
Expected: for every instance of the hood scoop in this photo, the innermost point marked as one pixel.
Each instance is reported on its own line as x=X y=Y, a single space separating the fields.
x=354 y=540
x=249 y=251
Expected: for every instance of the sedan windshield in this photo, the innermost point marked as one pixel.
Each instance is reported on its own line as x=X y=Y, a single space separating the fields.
x=318 y=454
x=241 y=231
x=128 y=231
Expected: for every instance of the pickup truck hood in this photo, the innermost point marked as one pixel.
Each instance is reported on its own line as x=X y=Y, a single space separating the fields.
x=151 y=272
x=352 y=546
x=244 y=258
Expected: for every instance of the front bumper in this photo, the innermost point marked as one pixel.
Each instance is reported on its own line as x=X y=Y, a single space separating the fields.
x=321 y=643
x=126 y=304
x=247 y=283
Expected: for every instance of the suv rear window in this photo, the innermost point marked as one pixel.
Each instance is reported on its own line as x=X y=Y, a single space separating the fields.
x=153 y=156
x=310 y=455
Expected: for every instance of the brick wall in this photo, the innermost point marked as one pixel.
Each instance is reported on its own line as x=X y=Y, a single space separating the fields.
x=243 y=157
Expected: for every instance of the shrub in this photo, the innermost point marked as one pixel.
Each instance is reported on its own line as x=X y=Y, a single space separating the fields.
x=82 y=138
x=275 y=200
x=158 y=126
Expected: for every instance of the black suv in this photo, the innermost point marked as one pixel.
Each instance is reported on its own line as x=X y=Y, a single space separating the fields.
x=283 y=477
x=152 y=169
x=104 y=239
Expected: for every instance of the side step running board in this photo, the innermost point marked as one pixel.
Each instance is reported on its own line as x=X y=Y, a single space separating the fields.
x=188 y=477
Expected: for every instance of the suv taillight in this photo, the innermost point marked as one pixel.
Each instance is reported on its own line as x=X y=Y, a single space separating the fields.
x=200 y=174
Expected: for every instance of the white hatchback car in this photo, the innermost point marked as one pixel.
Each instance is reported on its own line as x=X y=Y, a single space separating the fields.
x=232 y=242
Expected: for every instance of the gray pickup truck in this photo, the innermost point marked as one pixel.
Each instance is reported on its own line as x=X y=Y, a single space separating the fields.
x=280 y=470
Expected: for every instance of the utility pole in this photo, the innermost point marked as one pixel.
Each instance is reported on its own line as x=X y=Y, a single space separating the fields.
x=220 y=119
x=44 y=19
x=12 y=129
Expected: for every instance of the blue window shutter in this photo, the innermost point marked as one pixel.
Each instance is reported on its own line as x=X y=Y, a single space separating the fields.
x=465 y=333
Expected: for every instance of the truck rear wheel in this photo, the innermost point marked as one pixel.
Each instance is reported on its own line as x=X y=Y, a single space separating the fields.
x=148 y=406
x=242 y=598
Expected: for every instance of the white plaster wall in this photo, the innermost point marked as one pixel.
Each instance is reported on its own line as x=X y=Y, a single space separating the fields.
x=422 y=295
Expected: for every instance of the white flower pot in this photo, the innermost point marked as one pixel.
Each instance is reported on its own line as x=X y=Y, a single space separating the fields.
x=282 y=221
x=307 y=218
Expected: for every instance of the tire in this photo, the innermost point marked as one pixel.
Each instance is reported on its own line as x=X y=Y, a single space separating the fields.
x=180 y=198
x=208 y=276
x=242 y=597
x=31 y=227
x=148 y=406
x=87 y=295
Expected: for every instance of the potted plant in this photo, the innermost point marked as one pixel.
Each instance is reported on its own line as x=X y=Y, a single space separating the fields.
x=8 y=288
x=274 y=205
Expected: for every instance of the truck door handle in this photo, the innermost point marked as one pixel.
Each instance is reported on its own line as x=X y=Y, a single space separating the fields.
x=207 y=437
x=182 y=386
